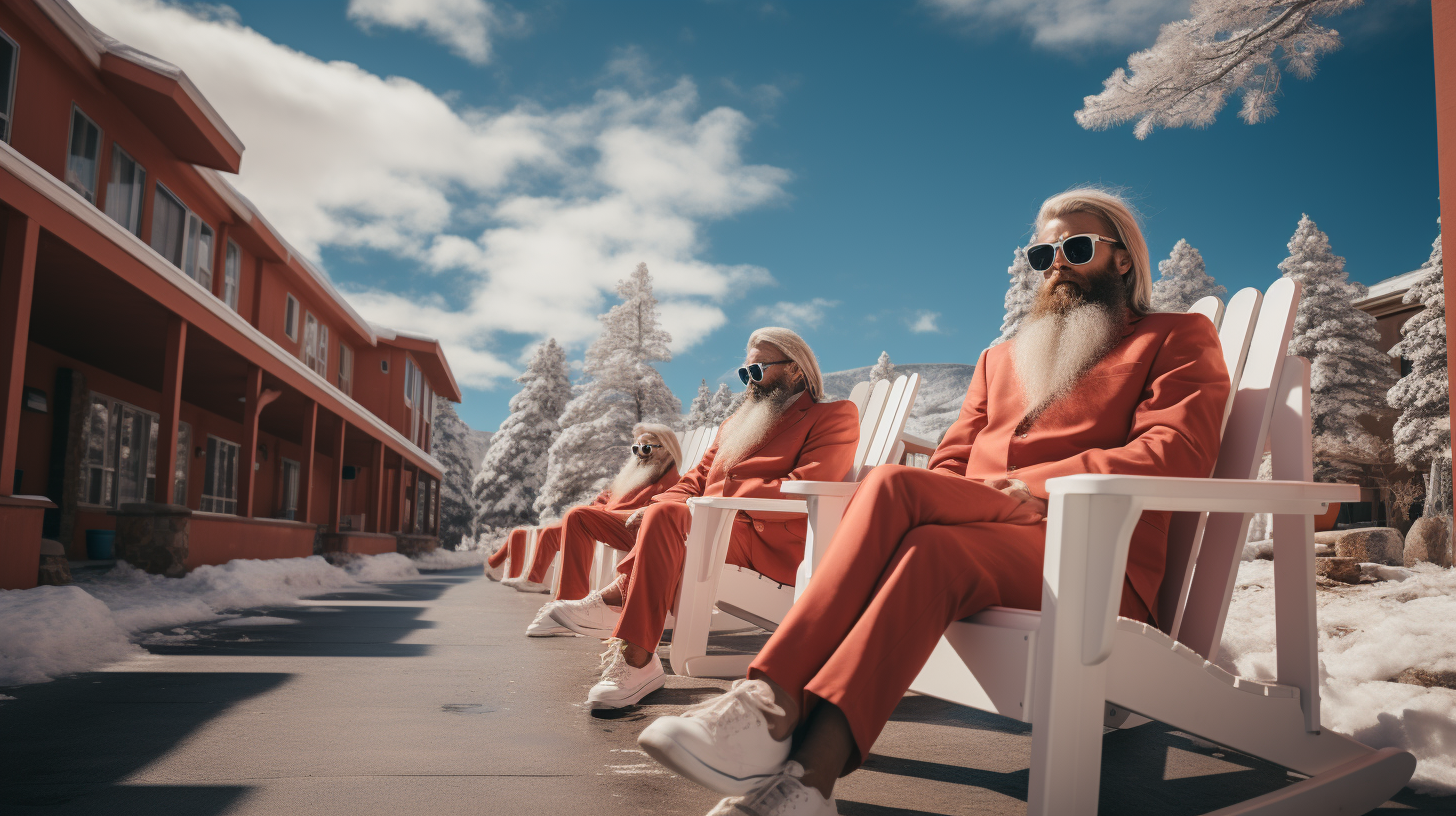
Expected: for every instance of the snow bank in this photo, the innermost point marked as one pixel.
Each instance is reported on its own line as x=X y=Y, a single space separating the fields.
x=50 y=631
x=443 y=559
x=1368 y=634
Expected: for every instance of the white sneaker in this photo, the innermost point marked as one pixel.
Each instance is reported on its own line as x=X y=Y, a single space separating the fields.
x=722 y=744
x=543 y=626
x=524 y=584
x=622 y=684
x=780 y=795
x=589 y=616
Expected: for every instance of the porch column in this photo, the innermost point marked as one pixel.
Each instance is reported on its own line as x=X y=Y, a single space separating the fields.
x=336 y=477
x=399 y=497
x=167 y=452
x=305 y=477
x=1443 y=24
x=376 y=474
x=17 y=282
x=255 y=399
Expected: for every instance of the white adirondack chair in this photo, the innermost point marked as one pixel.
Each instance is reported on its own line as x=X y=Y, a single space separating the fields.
x=1075 y=666
x=709 y=584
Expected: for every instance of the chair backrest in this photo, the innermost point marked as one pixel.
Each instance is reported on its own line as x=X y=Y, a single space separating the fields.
x=1204 y=549
x=886 y=440
x=859 y=395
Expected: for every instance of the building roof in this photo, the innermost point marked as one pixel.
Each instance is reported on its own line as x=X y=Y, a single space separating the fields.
x=1386 y=297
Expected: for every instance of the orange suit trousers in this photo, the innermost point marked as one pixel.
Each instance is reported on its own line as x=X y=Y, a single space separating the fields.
x=915 y=551
x=580 y=529
x=654 y=568
x=515 y=547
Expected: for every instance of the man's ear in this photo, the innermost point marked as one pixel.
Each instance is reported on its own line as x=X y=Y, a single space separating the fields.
x=1124 y=262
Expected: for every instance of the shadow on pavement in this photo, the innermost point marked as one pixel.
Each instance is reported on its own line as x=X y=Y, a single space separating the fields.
x=70 y=743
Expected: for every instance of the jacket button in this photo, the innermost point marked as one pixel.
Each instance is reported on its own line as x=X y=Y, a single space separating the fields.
x=1023 y=435
x=758 y=525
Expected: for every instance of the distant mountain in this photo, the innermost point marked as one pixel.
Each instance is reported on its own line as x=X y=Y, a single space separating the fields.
x=942 y=390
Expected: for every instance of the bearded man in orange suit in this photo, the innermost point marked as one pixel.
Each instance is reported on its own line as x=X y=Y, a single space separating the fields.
x=651 y=467
x=1091 y=383
x=782 y=431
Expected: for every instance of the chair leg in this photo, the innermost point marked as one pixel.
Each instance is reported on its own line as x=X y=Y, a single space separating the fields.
x=706 y=548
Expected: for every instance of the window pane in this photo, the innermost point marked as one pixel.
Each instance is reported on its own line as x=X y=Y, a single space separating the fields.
x=323 y=351
x=131 y=458
x=124 y=192
x=169 y=223
x=203 y=256
x=290 y=318
x=7 y=81
x=184 y=454
x=310 y=340
x=81 y=162
x=231 y=273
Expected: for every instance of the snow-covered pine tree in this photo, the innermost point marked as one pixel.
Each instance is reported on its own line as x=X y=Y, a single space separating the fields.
x=725 y=402
x=1349 y=375
x=700 y=413
x=1423 y=397
x=449 y=443
x=1182 y=280
x=884 y=369
x=1025 y=281
x=515 y=464
x=619 y=389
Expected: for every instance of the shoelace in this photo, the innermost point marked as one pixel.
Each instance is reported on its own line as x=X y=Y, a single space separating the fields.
x=619 y=668
x=769 y=798
x=542 y=614
x=719 y=709
x=615 y=648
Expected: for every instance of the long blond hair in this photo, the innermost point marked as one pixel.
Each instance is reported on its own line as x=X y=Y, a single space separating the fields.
x=1120 y=215
x=793 y=346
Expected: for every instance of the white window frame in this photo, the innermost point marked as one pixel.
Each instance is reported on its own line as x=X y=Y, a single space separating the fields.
x=161 y=190
x=110 y=492
x=290 y=317
x=346 y=369
x=321 y=356
x=8 y=110
x=288 y=501
x=131 y=196
x=87 y=193
x=219 y=500
x=196 y=263
x=310 y=340
x=232 y=275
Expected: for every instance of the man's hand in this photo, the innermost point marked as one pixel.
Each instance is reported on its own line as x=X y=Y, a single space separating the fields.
x=635 y=520
x=1017 y=489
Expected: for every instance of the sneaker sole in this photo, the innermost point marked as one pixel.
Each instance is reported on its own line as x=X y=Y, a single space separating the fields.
x=673 y=756
x=552 y=633
x=647 y=688
x=600 y=634
x=545 y=590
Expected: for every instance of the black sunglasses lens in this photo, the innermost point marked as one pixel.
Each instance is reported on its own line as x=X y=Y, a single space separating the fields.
x=743 y=375
x=756 y=372
x=1079 y=249
x=1040 y=256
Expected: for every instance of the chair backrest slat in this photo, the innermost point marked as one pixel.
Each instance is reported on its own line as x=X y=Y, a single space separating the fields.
x=1200 y=614
x=859 y=395
x=869 y=420
x=891 y=424
x=1210 y=307
x=688 y=443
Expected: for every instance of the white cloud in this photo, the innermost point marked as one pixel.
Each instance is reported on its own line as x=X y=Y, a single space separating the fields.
x=925 y=322
x=1066 y=24
x=806 y=315
x=463 y=26
x=571 y=198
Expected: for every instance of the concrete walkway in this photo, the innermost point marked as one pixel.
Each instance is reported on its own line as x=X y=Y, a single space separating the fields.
x=424 y=698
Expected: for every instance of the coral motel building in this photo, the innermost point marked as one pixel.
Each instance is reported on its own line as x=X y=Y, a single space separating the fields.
x=173 y=371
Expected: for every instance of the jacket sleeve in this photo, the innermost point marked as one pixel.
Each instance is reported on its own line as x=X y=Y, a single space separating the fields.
x=827 y=453
x=692 y=483
x=954 y=450
x=601 y=499
x=1176 y=428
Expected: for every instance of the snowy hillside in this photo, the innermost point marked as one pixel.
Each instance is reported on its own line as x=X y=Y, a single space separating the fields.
x=476 y=444
x=942 y=389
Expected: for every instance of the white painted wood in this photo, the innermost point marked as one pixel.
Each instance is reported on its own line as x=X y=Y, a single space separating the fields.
x=859 y=395
x=1296 y=630
x=1210 y=307
x=869 y=421
x=1355 y=787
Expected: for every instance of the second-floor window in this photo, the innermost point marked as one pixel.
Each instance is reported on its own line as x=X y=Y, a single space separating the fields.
x=231 y=274
x=290 y=318
x=411 y=382
x=83 y=157
x=346 y=369
x=197 y=260
x=124 y=191
x=310 y=340
x=321 y=358
x=181 y=237
x=9 y=60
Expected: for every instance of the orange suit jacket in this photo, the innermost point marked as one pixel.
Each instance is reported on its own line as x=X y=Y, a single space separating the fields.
x=1154 y=405
x=639 y=497
x=812 y=441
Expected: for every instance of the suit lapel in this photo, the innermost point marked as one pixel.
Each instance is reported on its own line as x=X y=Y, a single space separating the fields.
x=796 y=412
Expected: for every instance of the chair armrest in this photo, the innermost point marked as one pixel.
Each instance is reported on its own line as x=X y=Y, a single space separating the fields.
x=917 y=444
x=751 y=505
x=800 y=487
x=1211 y=495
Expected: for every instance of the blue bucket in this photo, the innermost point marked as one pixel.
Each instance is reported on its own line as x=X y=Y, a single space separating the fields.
x=101 y=545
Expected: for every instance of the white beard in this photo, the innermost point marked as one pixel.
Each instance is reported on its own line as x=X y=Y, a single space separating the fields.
x=749 y=425
x=1052 y=351
x=634 y=475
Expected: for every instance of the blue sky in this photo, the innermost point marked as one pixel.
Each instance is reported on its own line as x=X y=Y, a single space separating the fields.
x=861 y=169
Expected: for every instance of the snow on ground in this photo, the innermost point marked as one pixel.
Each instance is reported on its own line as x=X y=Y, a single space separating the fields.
x=443 y=559
x=1368 y=634
x=46 y=632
